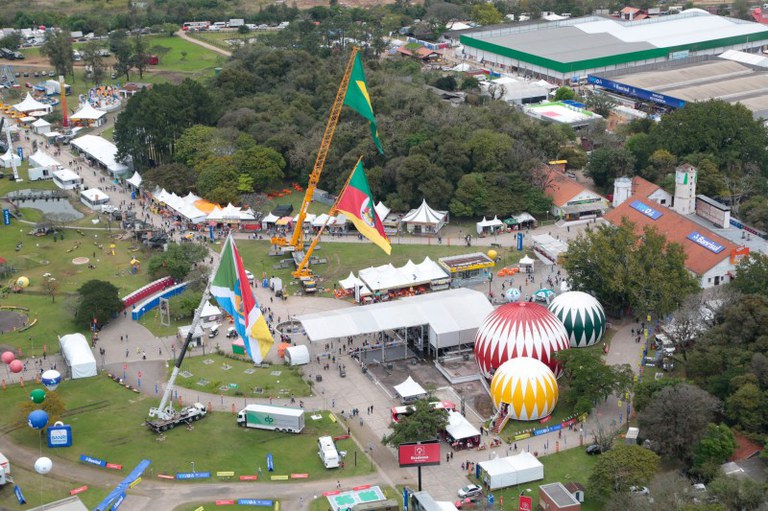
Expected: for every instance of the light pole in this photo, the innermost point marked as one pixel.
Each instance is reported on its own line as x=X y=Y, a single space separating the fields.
x=193 y=467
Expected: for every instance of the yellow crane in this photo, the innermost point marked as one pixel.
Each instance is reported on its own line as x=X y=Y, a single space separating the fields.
x=296 y=244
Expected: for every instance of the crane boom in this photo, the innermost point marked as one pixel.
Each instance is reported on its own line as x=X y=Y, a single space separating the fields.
x=297 y=241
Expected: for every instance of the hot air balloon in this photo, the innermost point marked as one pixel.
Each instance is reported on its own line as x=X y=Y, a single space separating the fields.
x=51 y=379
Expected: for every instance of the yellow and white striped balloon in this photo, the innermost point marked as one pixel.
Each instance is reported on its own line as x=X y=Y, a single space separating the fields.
x=527 y=385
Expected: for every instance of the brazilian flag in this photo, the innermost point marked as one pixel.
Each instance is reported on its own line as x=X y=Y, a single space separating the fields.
x=358 y=99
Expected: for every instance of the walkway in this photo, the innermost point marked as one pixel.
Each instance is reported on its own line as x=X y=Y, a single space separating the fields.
x=194 y=40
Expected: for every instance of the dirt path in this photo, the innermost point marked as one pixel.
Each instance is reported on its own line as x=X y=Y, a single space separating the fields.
x=208 y=46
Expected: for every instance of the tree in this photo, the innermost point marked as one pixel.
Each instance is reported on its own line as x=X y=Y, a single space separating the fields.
x=608 y=163
x=12 y=41
x=692 y=319
x=752 y=274
x=177 y=262
x=446 y=83
x=590 y=380
x=627 y=270
x=676 y=419
x=564 y=93
x=738 y=493
x=140 y=54
x=51 y=287
x=747 y=408
x=601 y=104
x=716 y=445
x=755 y=211
x=122 y=49
x=94 y=61
x=53 y=405
x=58 y=48
x=622 y=467
x=485 y=14
x=575 y=156
x=174 y=177
x=263 y=164
x=425 y=423
x=646 y=389
x=98 y=302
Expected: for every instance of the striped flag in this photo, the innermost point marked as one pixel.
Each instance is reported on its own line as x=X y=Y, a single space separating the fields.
x=232 y=291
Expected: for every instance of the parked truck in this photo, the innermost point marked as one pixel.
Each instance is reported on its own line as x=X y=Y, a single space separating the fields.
x=273 y=418
x=186 y=415
x=326 y=449
x=5 y=470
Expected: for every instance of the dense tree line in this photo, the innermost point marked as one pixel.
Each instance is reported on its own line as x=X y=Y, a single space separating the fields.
x=271 y=107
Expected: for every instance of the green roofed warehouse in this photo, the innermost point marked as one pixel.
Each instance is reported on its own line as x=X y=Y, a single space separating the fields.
x=569 y=50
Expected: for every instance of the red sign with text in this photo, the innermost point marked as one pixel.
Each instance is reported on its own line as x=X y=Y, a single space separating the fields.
x=419 y=454
x=526 y=503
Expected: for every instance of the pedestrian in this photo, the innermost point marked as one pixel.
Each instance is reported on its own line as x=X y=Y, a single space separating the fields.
x=126 y=353
x=361 y=422
x=447 y=457
x=338 y=484
x=121 y=338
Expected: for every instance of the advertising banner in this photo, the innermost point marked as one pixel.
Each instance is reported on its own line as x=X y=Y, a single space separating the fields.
x=419 y=454
x=636 y=92
x=6 y=216
x=60 y=436
x=93 y=461
x=255 y=502
x=193 y=475
x=526 y=503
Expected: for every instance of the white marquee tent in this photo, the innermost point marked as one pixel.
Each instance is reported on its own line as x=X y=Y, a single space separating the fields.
x=424 y=220
x=78 y=355
x=87 y=113
x=489 y=225
x=386 y=277
x=352 y=281
x=382 y=211
x=297 y=355
x=409 y=390
x=10 y=158
x=512 y=470
x=41 y=126
x=459 y=428
x=42 y=159
x=135 y=180
x=269 y=220
x=452 y=317
x=101 y=150
x=30 y=104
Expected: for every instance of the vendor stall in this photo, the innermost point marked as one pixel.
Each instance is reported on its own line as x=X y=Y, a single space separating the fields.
x=493 y=226
x=461 y=433
x=410 y=391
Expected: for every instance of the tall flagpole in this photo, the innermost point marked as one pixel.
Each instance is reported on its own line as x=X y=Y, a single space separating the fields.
x=165 y=410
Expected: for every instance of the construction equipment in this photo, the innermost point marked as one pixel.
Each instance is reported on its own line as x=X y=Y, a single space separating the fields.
x=296 y=243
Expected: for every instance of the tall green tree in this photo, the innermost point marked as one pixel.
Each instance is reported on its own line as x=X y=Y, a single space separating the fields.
x=485 y=14
x=122 y=49
x=739 y=493
x=608 y=163
x=177 y=262
x=716 y=445
x=425 y=423
x=97 y=300
x=174 y=177
x=93 y=59
x=58 y=48
x=140 y=54
x=752 y=274
x=622 y=467
x=590 y=380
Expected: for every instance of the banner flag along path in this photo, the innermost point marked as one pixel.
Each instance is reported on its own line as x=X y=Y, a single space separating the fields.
x=356 y=202
x=233 y=293
x=357 y=99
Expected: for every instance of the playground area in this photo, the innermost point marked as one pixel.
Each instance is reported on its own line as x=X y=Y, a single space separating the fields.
x=343 y=501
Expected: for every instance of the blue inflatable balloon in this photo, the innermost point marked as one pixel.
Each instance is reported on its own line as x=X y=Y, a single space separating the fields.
x=37 y=419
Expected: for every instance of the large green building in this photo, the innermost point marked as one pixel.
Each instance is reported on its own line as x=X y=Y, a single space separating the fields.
x=569 y=50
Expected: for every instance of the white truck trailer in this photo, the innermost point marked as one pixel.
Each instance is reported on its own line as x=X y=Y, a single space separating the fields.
x=326 y=449
x=273 y=418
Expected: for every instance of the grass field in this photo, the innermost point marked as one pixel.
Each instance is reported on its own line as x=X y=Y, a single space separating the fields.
x=179 y=55
x=107 y=423
x=342 y=258
x=288 y=382
x=221 y=39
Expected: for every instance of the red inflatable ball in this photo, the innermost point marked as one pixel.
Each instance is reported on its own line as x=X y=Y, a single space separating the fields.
x=16 y=366
x=7 y=357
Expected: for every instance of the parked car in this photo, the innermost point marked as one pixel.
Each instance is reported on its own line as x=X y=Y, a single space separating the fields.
x=470 y=491
x=594 y=449
x=231 y=332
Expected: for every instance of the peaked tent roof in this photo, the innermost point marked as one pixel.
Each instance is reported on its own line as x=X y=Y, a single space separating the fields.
x=410 y=389
x=87 y=112
x=425 y=215
x=30 y=104
x=270 y=219
x=41 y=123
x=382 y=211
x=135 y=179
x=43 y=159
x=209 y=310
x=10 y=154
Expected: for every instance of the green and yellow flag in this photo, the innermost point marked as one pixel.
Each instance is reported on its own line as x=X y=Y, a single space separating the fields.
x=357 y=99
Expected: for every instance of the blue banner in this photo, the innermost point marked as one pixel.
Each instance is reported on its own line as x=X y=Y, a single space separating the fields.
x=124 y=484
x=636 y=92
x=193 y=475
x=117 y=503
x=405 y=498
x=210 y=232
x=60 y=436
x=705 y=242
x=19 y=495
x=520 y=241
x=6 y=216
x=20 y=150
x=255 y=502
x=93 y=461
x=645 y=209
x=477 y=470
x=270 y=463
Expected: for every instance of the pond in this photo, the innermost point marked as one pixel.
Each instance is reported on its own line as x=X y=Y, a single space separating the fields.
x=53 y=203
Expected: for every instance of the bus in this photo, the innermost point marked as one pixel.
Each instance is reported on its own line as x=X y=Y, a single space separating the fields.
x=401 y=411
x=195 y=26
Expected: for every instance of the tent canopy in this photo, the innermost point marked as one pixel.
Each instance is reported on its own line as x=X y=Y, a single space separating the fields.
x=425 y=215
x=30 y=104
x=493 y=224
x=101 y=150
x=269 y=219
x=87 y=113
x=382 y=211
x=526 y=261
x=459 y=428
x=135 y=180
x=78 y=355
x=40 y=123
x=512 y=470
x=210 y=311
x=297 y=355
x=42 y=159
x=410 y=390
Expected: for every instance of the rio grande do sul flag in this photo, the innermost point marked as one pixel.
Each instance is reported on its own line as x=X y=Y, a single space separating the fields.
x=232 y=291
x=357 y=203
x=358 y=99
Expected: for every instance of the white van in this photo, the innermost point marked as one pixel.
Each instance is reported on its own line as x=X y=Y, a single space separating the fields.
x=213 y=332
x=326 y=449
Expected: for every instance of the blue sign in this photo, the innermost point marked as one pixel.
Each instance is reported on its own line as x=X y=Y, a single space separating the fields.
x=646 y=210
x=6 y=216
x=19 y=495
x=210 y=233
x=520 y=241
x=20 y=150
x=117 y=503
x=636 y=92
x=93 y=461
x=270 y=463
x=255 y=502
x=405 y=498
x=60 y=436
x=705 y=242
x=193 y=475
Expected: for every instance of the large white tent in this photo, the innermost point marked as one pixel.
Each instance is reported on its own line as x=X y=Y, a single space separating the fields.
x=269 y=221
x=78 y=355
x=10 y=158
x=101 y=150
x=42 y=159
x=387 y=277
x=512 y=470
x=297 y=355
x=409 y=390
x=351 y=282
x=489 y=225
x=452 y=317
x=424 y=220
x=459 y=428
x=41 y=126
x=135 y=180
x=88 y=113
x=30 y=104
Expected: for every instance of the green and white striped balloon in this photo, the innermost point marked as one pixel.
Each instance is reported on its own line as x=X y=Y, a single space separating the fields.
x=582 y=315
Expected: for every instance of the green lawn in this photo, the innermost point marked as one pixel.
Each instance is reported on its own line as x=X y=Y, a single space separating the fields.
x=107 y=423
x=220 y=38
x=109 y=133
x=7 y=186
x=289 y=382
x=151 y=321
x=342 y=258
x=196 y=60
